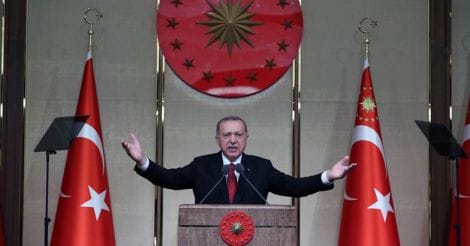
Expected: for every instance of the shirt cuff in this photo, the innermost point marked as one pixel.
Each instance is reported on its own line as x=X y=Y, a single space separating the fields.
x=324 y=179
x=146 y=164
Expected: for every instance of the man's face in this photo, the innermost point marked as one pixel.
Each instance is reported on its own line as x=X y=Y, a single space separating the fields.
x=232 y=138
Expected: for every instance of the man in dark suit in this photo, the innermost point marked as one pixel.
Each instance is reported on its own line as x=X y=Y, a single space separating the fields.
x=248 y=180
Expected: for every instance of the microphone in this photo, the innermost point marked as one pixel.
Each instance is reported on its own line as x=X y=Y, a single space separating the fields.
x=241 y=170
x=224 y=172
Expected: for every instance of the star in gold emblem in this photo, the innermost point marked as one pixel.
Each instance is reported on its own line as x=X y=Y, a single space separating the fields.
x=176 y=3
x=176 y=44
x=270 y=64
x=368 y=104
x=252 y=76
x=172 y=23
x=230 y=80
x=287 y=24
x=282 y=3
x=282 y=46
x=207 y=76
x=229 y=23
x=188 y=63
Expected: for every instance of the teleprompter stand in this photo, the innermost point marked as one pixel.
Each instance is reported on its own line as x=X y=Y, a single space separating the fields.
x=58 y=136
x=442 y=140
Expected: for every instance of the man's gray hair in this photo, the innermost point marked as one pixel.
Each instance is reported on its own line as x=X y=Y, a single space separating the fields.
x=230 y=118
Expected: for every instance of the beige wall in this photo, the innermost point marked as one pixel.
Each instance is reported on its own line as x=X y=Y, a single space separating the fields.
x=124 y=62
x=332 y=58
x=331 y=63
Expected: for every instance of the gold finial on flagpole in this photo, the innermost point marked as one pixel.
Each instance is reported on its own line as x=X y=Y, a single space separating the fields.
x=91 y=16
x=362 y=28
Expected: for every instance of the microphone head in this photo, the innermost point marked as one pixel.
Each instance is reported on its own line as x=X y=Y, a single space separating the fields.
x=225 y=169
x=240 y=168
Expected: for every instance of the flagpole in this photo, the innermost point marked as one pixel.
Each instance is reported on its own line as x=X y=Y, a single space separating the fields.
x=362 y=210
x=91 y=16
x=84 y=212
x=365 y=31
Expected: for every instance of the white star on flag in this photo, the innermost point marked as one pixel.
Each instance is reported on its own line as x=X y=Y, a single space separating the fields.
x=96 y=202
x=382 y=204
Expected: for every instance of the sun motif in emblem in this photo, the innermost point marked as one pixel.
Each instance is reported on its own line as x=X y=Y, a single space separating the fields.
x=368 y=104
x=229 y=48
x=229 y=24
x=237 y=228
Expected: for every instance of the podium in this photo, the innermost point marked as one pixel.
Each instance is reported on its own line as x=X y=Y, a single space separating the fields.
x=273 y=224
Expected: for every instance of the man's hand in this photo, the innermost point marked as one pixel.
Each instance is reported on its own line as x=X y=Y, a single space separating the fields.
x=133 y=149
x=340 y=169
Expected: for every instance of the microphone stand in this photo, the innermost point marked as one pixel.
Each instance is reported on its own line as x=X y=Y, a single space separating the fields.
x=47 y=220
x=224 y=172
x=457 y=206
x=241 y=169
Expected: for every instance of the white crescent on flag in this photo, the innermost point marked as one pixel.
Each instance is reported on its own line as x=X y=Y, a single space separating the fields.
x=64 y=195
x=88 y=132
x=466 y=133
x=365 y=133
x=347 y=197
x=461 y=195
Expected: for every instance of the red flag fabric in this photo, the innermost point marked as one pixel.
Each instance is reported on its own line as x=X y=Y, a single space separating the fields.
x=84 y=216
x=368 y=217
x=464 y=190
x=2 y=236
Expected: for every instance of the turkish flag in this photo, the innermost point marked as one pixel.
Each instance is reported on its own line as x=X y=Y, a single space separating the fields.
x=2 y=237
x=464 y=190
x=368 y=217
x=84 y=216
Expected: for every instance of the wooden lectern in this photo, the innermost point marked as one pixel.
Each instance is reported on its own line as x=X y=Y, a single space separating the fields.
x=274 y=224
